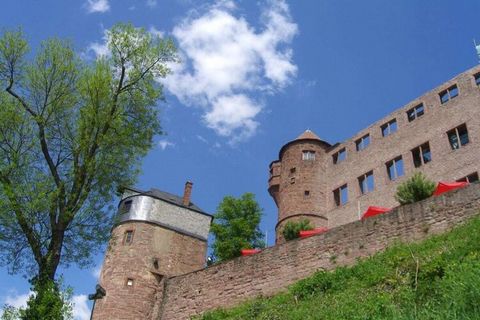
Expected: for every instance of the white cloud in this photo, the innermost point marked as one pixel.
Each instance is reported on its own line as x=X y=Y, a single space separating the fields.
x=154 y=31
x=100 y=49
x=17 y=300
x=227 y=63
x=164 y=144
x=151 y=3
x=96 y=271
x=97 y=6
x=81 y=311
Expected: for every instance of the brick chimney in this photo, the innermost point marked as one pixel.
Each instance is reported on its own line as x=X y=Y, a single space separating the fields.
x=187 y=193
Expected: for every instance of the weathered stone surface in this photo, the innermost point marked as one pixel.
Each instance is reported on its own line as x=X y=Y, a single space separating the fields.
x=275 y=268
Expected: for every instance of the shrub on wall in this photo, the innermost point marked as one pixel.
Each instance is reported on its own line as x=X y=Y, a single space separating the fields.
x=292 y=229
x=417 y=188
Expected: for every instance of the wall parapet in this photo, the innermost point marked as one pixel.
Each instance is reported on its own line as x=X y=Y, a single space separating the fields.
x=275 y=268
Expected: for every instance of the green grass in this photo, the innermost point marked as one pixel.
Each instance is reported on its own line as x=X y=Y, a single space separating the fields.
x=438 y=278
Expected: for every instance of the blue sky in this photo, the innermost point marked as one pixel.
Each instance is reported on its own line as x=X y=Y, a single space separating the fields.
x=256 y=74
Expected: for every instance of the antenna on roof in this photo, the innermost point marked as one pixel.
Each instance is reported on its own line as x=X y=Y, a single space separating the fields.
x=477 y=48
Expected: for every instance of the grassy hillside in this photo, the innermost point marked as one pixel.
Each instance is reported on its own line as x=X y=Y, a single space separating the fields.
x=435 y=279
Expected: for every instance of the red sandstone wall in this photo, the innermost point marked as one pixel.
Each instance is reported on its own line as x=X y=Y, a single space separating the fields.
x=175 y=254
x=277 y=267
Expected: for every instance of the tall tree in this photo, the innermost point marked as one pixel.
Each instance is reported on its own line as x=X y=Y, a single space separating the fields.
x=72 y=133
x=236 y=226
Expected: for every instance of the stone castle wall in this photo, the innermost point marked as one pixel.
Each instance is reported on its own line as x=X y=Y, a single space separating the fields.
x=272 y=270
x=432 y=127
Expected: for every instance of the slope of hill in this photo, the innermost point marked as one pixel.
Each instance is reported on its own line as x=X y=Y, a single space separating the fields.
x=438 y=278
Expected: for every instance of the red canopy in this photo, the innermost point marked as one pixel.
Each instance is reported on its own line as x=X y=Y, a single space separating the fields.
x=249 y=252
x=309 y=233
x=447 y=186
x=373 y=211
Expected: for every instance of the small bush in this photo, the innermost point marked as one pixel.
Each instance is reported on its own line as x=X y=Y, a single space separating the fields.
x=417 y=188
x=292 y=229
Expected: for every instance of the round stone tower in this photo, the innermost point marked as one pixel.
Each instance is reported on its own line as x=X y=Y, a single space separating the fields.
x=297 y=182
x=156 y=235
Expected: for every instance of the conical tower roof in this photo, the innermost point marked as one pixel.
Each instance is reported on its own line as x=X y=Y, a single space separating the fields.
x=308 y=134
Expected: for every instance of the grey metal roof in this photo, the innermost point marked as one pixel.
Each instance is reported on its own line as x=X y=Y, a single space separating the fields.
x=170 y=198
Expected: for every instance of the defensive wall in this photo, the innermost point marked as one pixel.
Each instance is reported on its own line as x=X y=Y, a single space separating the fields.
x=425 y=121
x=272 y=270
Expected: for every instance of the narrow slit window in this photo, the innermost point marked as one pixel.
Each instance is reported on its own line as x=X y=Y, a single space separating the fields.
x=448 y=94
x=340 y=195
x=415 y=112
x=366 y=183
x=421 y=155
x=128 y=237
x=395 y=168
x=458 y=137
x=339 y=156
x=363 y=142
x=389 y=127
x=477 y=79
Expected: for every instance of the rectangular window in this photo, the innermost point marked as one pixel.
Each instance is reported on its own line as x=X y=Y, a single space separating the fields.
x=128 y=237
x=395 y=168
x=415 y=112
x=473 y=177
x=477 y=79
x=340 y=195
x=421 y=155
x=126 y=206
x=458 y=137
x=389 y=127
x=363 y=142
x=339 y=156
x=449 y=94
x=129 y=282
x=366 y=182
x=308 y=155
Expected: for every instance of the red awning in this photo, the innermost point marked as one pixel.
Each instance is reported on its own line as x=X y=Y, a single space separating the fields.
x=249 y=252
x=447 y=186
x=373 y=211
x=309 y=233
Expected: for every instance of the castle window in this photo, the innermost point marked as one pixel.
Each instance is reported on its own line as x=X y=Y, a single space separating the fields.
x=395 y=168
x=126 y=206
x=477 y=79
x=340 y=195
x=129 y=282
x=473 y=177
x=389 y=127
x=366 y=182
x=306 y=193
x=421 y=155
x=293 y=170
x=128 y=237
x=339 y=156
x=363 y=142
x=308 y=155
x=458 y=137
x=448 y=94
x=415 y=112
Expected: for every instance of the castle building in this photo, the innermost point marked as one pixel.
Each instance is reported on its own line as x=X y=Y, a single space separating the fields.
x=331 y=185
x=153 y=265
x=157 y=235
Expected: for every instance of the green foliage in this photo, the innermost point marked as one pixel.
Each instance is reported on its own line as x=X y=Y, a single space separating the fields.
x=72 y=133
x=292 y=229
x=236 y=226
x=46 y=302
x=417 y=188
x=436 y=279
